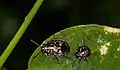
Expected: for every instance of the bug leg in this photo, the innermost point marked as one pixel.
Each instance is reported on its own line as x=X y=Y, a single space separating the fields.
x=57 y=59
x=79 y=61
x=73 y=62
x=85 y=59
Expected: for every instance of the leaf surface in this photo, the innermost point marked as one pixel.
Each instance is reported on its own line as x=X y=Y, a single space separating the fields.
x=103 y=41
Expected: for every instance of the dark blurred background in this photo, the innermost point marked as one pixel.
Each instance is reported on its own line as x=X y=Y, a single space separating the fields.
x=53 y=16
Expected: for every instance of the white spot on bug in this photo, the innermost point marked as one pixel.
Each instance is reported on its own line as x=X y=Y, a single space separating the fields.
x=104 y=48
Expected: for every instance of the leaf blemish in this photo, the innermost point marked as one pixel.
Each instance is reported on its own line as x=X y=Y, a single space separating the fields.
x=104 y=48
x=118 y=49
x=115 y=56
x=99 y=39
x=112 y=30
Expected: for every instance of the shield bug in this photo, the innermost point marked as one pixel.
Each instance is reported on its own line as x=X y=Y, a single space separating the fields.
x=81 y=53
x=55 y=47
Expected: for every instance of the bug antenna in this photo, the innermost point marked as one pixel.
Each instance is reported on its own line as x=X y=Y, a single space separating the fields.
x=34 y=42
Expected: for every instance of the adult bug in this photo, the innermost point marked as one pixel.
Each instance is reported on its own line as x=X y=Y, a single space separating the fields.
x=54 y=47
x=81 y=53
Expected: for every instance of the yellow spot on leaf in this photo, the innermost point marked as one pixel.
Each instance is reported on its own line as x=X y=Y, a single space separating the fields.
x=104 y=48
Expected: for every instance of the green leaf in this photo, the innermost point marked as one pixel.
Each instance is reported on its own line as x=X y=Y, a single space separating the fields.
x=103 y=41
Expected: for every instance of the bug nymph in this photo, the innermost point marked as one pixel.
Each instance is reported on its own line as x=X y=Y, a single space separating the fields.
x=81 y=53
x=55 y=47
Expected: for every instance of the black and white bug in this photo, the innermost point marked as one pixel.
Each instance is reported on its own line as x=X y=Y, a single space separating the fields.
x=81 y=53
x=55 y=47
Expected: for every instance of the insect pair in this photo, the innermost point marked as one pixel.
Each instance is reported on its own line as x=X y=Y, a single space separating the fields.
x=59 y=48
